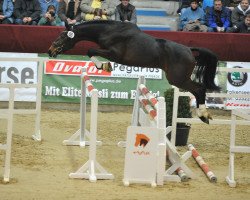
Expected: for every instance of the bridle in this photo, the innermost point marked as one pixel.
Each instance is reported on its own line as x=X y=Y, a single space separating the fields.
x=60 y=44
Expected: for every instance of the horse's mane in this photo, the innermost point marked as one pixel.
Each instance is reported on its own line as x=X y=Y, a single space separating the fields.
x=120 y=24
x=108 y=22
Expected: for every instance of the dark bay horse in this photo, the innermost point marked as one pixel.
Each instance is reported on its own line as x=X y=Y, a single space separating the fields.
x=126 y=44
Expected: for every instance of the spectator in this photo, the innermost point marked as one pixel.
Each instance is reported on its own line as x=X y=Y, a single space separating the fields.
x=27 y=12
x=6 y=11
x=233 y=3
x=184 y=4
x=125 y=12
x=242 y=27
x=239 y=12
x=218 y=17
x=50 y=18
x=69 y=10
x=206 y=4
x=97 y=9
x=193 y=18
x=227 y=3
x=46 y=3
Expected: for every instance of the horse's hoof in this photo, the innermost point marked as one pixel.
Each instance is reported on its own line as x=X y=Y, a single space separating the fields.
x=107 y=67
x=204 y=119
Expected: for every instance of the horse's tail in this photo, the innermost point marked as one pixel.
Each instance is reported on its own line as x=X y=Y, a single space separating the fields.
x=206 y=62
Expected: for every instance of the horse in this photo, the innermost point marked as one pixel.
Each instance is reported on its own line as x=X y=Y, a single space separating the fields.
x=125 y=43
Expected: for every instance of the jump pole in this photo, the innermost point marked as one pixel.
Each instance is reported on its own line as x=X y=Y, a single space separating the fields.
x=204 y=166
x=91 y=170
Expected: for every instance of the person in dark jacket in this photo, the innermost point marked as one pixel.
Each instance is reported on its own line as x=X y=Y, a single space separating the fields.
x=218 y=17
x=242 y=27
x=125 y=12
x=27 y=12
x=239 y=12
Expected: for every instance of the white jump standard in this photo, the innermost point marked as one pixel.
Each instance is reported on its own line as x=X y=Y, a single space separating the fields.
x=244 y=114
x=11 y=110
x=81 y=137
x=147 y=144
x=91 y=170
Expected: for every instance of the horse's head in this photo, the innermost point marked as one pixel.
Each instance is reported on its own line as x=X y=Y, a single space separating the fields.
x=64 y=42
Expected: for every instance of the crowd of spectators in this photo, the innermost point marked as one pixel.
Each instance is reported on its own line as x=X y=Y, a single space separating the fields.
x=215 y=16
x=195 y=15
x=59 y=12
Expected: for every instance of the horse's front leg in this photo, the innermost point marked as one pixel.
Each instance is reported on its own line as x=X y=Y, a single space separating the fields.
x=92 y=53
x=200 y=94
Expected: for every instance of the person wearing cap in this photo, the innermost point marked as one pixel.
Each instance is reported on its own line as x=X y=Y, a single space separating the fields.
x=50 y=18
x=27 y=12
x=6 y=10
x=125 y=12
x=218 y=17
x=193 y=18
x=97 y=9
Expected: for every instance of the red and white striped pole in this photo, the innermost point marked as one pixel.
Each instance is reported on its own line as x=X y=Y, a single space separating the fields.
x=150 y=110
x=202 y=164
x=144 y=90
x=182 y=175
x=87 y=81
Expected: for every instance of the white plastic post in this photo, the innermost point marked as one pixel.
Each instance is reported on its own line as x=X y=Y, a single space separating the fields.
x=174 y=117
x=6 y=176
x=37 y=135
x=83 y=112
x=245 y=114
x=161 y=125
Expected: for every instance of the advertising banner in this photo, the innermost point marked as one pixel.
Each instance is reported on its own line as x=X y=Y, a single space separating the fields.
x=71 y=67
x=238 y=83
x=18 y=72
x=62 y=83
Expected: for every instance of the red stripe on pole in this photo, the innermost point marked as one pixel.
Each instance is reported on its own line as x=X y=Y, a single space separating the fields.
x=144 y=90
x=86 y=78
x=153 y=100
x=195 y=153
x=153 y=113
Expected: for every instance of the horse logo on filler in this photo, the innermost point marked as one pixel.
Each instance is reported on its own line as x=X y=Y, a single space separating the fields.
x=141 y=140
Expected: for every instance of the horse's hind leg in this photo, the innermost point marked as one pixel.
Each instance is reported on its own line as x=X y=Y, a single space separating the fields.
x=106 y=66
x=199 y=92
